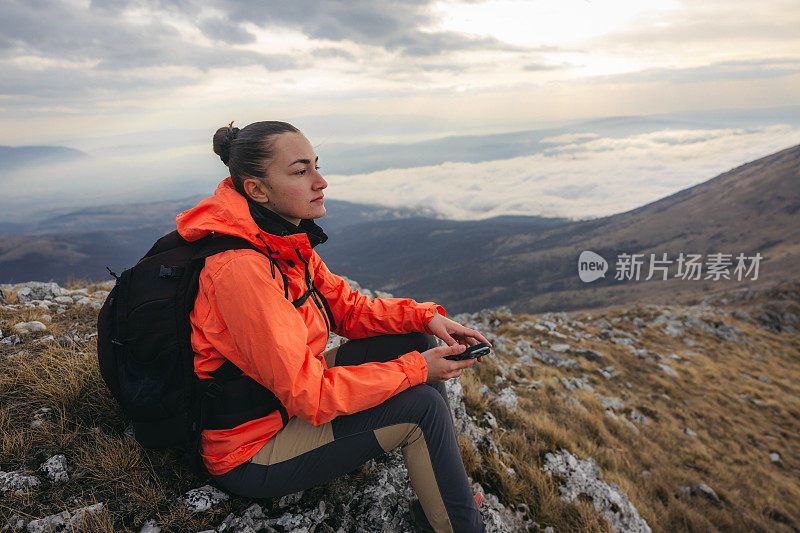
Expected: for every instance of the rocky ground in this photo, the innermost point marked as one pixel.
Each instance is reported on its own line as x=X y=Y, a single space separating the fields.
x=566 y=405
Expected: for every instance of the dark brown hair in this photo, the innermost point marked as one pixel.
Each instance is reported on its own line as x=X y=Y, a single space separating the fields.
x=247 y=152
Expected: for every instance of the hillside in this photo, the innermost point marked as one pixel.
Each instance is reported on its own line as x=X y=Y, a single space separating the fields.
x=627 y=418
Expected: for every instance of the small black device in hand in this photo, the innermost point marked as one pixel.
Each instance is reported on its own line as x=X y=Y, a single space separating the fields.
x=472 y=352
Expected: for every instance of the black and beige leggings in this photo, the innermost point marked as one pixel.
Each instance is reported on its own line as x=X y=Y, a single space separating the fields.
x=418 y=419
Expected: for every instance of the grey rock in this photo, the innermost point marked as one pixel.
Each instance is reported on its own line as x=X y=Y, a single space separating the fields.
x=55 y=468
x=741 y=315
x=611 y=402
x=47 y=339
x=37 y=290
x=609 y=372
x=63 y=521
x=583 y=477
x=508 y=399
x=551 y=358
x=16 y=480
x=721 y=330
x=29 y=327
x=11 y=340
x=775 y=457
x=589 y=355
x=559 y=347
x=290 y=499
x=667 y=369
x=638 y=417
x=601 y=323
x=39 y=416
x=701 y=489
x=203 y=498
x=151 y=526
x=689 y=432
x=573 y=384
x=764 y=379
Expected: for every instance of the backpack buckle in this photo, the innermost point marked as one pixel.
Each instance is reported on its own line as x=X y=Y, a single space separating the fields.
x=173 y=272
x=213 y=390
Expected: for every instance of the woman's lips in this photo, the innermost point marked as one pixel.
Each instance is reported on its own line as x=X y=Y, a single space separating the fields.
x=320 y=199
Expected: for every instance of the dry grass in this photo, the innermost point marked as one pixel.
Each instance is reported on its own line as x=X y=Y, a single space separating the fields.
x=730 y=452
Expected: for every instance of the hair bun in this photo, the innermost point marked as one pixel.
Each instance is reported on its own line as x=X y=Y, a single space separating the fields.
x=231 y=135
x=222 y=141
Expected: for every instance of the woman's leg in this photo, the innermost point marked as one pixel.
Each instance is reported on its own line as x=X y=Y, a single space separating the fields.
x=301 y=455
x=384 y=348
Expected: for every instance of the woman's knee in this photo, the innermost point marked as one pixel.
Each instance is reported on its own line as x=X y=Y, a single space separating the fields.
x=422 y=341
x=425 y=399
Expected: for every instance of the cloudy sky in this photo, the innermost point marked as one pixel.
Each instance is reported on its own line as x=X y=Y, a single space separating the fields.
x=141 y=86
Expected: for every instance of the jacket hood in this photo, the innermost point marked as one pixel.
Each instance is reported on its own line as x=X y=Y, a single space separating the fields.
x=229 y=212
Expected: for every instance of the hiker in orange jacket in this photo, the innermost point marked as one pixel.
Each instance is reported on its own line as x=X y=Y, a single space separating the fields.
x=268 y=314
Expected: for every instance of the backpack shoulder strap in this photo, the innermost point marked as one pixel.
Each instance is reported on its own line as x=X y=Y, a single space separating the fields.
x=216 y=243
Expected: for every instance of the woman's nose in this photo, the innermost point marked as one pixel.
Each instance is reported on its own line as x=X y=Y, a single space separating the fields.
x=320 y=181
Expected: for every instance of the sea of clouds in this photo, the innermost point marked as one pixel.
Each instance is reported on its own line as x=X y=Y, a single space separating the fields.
x=574 y=175
x=577 y=176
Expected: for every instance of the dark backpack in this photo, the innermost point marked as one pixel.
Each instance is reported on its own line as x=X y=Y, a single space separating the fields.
x=146 y=359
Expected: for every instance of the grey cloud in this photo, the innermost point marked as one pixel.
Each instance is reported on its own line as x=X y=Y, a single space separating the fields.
x=393 y=25
x=419 y=44
x=331 y=52
x=223 y=30
x=63 y=32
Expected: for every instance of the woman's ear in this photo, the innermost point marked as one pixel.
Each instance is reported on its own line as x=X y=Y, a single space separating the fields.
x=256 y=189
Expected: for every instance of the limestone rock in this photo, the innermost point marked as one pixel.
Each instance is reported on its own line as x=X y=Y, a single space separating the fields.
x=551 y=358
x=583 y=477
x=63 y=521
x=16 y=480
x=55 y=468
x=201 y=499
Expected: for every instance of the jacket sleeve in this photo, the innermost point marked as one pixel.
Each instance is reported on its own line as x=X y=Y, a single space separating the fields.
x=268 y=337
x=359 y=316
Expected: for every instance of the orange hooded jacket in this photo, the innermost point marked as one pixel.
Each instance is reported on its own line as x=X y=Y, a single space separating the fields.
x=242 y=314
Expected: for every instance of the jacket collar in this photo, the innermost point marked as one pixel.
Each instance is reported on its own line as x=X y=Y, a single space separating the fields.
x=228 y=212
x=273 y=223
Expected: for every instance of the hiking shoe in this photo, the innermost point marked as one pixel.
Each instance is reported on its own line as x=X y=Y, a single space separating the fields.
x=421 y=521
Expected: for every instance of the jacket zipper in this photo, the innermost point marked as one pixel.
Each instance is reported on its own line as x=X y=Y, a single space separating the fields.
x=316 y=295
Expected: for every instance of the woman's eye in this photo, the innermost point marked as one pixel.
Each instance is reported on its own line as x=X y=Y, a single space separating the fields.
x=301 y=172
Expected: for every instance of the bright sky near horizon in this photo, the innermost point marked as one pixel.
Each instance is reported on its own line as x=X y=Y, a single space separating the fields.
x=156 y=74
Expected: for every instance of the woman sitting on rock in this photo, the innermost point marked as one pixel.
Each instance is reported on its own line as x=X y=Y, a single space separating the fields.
x=265 y=316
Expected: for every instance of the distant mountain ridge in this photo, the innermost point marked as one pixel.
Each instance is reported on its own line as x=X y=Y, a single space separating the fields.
x=12 y=157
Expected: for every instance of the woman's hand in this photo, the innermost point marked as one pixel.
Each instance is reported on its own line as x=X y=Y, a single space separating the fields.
x=454 y=333
x=441 y=369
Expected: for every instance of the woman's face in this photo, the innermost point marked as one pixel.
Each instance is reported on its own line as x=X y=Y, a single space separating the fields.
x=294 y=183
